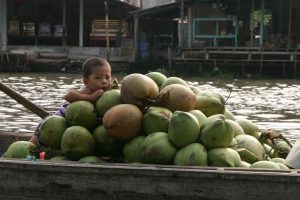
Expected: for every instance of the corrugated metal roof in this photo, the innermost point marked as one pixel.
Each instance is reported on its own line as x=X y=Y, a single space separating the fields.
x=155 y=9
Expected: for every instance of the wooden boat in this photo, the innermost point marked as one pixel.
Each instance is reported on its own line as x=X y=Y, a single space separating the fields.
x=41 y=179
x=21 y=179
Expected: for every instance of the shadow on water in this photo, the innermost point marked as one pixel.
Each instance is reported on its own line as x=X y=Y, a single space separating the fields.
x=269 y=103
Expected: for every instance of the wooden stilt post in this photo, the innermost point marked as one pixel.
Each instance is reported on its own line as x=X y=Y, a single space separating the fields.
x=290 y=24
x=81 y=10
x=64 y=24
x=295 y=63
x=243 y=69
x=251 y=23
x=181 y=25
x=261 y=64
x=169 y=59
x=106 y=27
x=136 y=37
x=262 y=24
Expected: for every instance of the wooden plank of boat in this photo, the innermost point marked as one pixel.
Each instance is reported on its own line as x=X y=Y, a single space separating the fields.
x=21 y=179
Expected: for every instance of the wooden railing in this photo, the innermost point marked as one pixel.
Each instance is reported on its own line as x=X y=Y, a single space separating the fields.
x=242 y=55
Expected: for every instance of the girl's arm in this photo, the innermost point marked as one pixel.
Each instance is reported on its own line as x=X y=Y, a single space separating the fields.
x=74 y=95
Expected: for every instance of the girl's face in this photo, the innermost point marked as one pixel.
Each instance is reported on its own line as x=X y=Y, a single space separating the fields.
x=100 y=78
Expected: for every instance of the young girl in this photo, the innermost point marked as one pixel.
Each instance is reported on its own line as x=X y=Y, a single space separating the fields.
x=96 y=80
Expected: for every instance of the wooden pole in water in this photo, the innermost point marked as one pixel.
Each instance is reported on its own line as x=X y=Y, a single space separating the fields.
x=25 y=102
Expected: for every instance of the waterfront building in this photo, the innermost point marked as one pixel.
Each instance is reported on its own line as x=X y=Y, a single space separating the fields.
x=80 y=29
x=157 y=29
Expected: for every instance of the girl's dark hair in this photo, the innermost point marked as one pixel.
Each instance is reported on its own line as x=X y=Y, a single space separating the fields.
x=91 y=63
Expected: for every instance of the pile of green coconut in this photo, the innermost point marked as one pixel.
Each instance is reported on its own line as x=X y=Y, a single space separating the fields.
x=152 y=119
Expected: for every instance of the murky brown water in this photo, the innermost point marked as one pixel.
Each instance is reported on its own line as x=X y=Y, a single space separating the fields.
x=269 y=103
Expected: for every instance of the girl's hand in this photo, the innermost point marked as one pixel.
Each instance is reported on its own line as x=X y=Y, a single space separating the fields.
x=95 y=95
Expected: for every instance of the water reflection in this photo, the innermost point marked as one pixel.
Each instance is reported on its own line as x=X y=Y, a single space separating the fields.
x=269 y=103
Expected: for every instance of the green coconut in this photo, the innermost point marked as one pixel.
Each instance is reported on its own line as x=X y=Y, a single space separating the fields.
x=21 y=149
x=156 y=119
x=228 y=114
x=277 y=160
x=212 y=94
x=123 y=122
x=209 y=105
x=109 y=99
x=59 y=158
x=237 y=129
x=157 y=149
x=138 y=89
x=177 y=97
x=247 y=155
x=245 y=164
x=195 y=89
x=199 y=115
x=248 y=126
x=264 y=164
x=77 y=142
x=233 y=144
x=90 y=159
x=157 y=77
x=283 y=149
x=282 y=166
x=173 y=80
x=212 y=118
x=81 y=113
x=193 y=154
x=269 y=151
x=3 y=155
x=51 y=131
x=132 y=150
x=216 y=134
x=223 y=157
x=183 y=129
x=105 y=145
x=249 y=148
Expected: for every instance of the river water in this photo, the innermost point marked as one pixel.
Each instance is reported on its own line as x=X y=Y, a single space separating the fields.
x=268 y=103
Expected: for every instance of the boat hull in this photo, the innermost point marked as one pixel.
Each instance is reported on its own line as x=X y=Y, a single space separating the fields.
x=21 y=179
